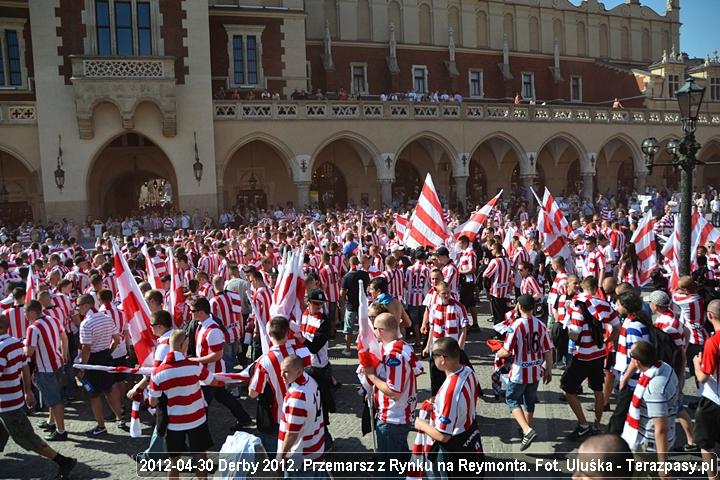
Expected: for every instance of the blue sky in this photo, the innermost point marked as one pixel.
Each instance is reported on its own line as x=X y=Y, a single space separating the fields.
x=698 y=35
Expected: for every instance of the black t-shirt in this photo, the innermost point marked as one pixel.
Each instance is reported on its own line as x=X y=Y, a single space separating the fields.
x=350 y=283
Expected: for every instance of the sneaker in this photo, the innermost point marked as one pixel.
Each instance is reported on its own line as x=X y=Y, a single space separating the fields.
x=98 y=430
x=688 y=448
x=67 y=467
x=45 y=425
x=580 y=432
x=595 y=429
x=122 y=425
x=56 y=436
x=346 y=353
x=527 y=439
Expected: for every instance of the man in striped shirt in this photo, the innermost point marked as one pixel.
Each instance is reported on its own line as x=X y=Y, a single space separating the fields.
x=179 y=378
x=417 y=283
x=301 y=433
x=449 y=270
x=689 y=305
x=46 y=345
x=395 y=387
x=529 y=344
x=499 y=271
x=467 y=267
x=330 y=281
x=15 y=394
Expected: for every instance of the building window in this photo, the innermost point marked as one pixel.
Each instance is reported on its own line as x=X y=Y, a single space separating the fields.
x=575 y=89
x=124 y=28
x=528 y=86
x=12 y=69
x=359 y=83
x=673 y=84
x=245 y=51
x=419 y=75
x=715 y=89
x=475 y=79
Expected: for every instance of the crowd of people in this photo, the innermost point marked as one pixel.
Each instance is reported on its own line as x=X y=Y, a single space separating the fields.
x=584 y=316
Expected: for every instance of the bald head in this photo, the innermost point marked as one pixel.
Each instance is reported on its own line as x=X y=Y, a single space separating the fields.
x=291 y=368
x=607 y=447
x=386 y=321
x=713 y=311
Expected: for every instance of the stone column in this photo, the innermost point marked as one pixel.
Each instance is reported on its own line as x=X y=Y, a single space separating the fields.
x=461 y=190
x=303 y=189
x=527 y=181
x=588 y=183
x=385 y=191
x=640 y=182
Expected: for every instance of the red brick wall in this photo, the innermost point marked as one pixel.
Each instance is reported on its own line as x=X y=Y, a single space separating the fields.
x=272 y=50
x=72 y=33
x=9 y=12
x=173 y=33
x=600 y=83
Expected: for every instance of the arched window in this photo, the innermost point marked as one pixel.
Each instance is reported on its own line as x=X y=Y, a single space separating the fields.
x=363 y=20
x=482 y=29
x=454 y=22
x=425 y=23
x=534 y=34
x=646 y=46
x=509 y=30
x=395 y=18
x=666 y=41
x=625 y=43
x=559 y=34
x=604 y=41
x=330 y=11
x=581 y=39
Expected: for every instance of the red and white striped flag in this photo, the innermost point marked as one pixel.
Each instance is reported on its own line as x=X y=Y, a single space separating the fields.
x=553 y=230
x=31 y=287
x=176 y=295
x=401 y=226
x=702 y=233
x=369 y=351
x=153 y=277
x=645 y=247
x=427 y=224
x=554 y=213
x=135 y=308
x=290 y=288
x=477 y=220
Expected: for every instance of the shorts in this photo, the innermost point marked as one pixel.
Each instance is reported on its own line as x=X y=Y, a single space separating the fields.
x=99 y=383
x=416 y=313
x=16 y=425
x=196 y=439
x=518 y=394
x=50 y=386
x=120 y=362
x=350 y=321
x=579 y=370
x=610 y=361
x=467 y=294
x=707 y=424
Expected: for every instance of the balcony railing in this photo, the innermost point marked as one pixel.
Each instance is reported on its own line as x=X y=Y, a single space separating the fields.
x=18 y=113
x=141 y=68
x=336 y=110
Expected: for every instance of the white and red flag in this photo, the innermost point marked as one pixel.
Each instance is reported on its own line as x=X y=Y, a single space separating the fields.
x=176 y=295
x=477 y=220
x=427 y=224
x=31 y=287
x=401 y=226
x=153 y=276
x=702 y=232
x=554 y=213
x=552 y=227
x=645 y=247
x=369 y=350
x=135 y=308
x=290 y=288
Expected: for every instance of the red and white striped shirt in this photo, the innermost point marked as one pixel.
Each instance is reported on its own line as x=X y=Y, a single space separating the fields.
x=18 y=322
x=44 y=335
x=110 y=282
x=162 y=348
x=594 y=264
x=628 y=274
x=448 y=320
x=179 y=379
x=454 y=407
x=691 y=315
x=209 y=338
x=80 y=281
x=557 y=289
x=12 y=360
x=451 y=277
x=519 y=256
x=301 y=413
x=261 y=301
x=309 y=326
x=396 y=282
x=586 y=349
x=227 y=307
x=467 y=262
x=528 y=340
x=118 y=318
x=530 y=286
x=267 y=369
x=670 y=324
x=63 y=302
x=208 y=264
x=330 y=281
x=417 y=283
x=398 y=368
x=499 y=271
x=337 y=262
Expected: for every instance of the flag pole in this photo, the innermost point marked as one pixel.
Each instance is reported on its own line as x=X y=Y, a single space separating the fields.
x=371 y=405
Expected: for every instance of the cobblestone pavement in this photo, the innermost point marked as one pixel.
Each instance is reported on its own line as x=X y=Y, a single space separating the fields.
x=109 y=456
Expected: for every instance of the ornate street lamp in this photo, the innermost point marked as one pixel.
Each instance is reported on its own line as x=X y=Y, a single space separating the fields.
x=197 y=166
x=59 y=172
x=683 y=151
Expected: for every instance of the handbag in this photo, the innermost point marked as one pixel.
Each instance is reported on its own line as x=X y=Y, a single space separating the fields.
x=265 y=419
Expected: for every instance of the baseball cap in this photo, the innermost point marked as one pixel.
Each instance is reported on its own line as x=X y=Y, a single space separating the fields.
x=317 y=296
x=442 y=251
x=659 y=298
x=396 y=248
x=526 y=302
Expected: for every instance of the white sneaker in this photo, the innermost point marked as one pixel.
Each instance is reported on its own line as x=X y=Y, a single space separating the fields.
x=346 y=353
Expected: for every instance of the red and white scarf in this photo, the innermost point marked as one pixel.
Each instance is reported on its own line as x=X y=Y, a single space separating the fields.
x=422 y=445
x=632 y=423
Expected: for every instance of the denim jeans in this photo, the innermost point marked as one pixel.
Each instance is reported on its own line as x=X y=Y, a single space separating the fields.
x=392 y=439
x=157 y=448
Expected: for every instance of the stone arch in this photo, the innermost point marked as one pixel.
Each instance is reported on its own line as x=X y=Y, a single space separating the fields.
x=534 y=34
x=23 y=186
x=431 y=153
x=621 y=157
x=664 y=177
x=363 y=20
x=115 y=174
x=495 y=156
x=356 y=159
x=481 y=25
x=283 y=151
x=366 y=149
x=555 y=157
x=408 y=182
x=425 y=23
x=709 y=174
x=436 y=139
x=581 y=41
x=631 y=144
x=455 y=24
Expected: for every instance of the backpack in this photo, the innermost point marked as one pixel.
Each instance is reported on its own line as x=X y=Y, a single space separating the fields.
x=666 y=350
x=597 y=330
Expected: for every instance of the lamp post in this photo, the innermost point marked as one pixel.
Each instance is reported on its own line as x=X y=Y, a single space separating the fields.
x=59 y=172
x=197 y=166
x=683 y=152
